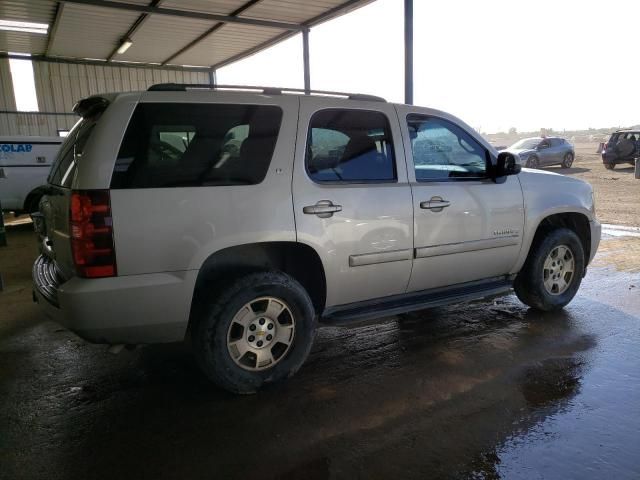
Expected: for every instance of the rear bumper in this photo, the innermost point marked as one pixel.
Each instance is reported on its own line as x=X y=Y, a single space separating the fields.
x=615 y=160
x=150 y=308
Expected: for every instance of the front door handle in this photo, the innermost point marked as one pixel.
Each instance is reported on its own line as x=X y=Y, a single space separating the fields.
x=323 y=209
x=436 y=204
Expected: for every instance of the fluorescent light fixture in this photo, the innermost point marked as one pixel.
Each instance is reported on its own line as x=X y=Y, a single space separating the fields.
x=25 y=27
x=124 y=46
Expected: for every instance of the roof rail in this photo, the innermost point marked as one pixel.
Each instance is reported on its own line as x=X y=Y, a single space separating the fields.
x=183 y=87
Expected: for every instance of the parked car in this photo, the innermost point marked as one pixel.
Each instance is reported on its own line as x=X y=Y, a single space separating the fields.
x=24 y=166
x=623 y=147
x=543 y=151
x=332 y=208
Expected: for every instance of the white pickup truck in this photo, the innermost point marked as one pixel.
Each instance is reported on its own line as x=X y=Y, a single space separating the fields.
x=24 y=166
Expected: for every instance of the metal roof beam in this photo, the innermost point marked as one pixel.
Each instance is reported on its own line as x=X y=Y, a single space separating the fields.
x=216 y=27
x=102 y=63
x=132 y=30
x=54 y=27
x=188 y=14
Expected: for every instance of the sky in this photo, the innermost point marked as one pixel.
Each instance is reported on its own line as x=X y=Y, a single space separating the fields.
x=497 y=64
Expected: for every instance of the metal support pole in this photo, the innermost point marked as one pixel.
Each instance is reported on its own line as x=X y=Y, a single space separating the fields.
x=212 y=77
x=305 y=60
x=408 y=52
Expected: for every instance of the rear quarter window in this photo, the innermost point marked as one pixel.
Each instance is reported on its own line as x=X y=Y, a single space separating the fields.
x=70 y=154
x=188 y=145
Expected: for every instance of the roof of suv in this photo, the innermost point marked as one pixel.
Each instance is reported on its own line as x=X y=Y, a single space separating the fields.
x=183 y=87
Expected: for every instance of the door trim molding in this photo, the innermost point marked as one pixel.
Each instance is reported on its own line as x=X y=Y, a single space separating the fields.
x=470 y=246
x=380 y=257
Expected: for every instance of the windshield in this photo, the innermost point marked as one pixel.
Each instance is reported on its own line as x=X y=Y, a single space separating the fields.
x=526 y=143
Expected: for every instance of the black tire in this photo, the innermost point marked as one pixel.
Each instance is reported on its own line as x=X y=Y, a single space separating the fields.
x=209 y=335
x=533 y=162
x=568 y=160
x=609 y=166
x=529 y=284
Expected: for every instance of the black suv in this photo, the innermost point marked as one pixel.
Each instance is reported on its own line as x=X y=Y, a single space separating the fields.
x=623 y=147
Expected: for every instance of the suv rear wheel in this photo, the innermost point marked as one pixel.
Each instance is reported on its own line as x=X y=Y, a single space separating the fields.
x=609 y=166
x=553 y=271
x=259 y=330
x=568 y=160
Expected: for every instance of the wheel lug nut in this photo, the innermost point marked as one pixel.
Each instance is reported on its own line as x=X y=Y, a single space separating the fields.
x=252 y=338
x=259 y=343
x=262 y=321
x=252 y=328
x=270 y=326
x=269 y=337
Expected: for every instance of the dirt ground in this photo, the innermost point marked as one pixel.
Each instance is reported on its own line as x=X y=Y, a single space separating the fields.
x=617 y=191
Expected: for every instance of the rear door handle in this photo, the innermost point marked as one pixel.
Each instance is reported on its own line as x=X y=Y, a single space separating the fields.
x=436 y=204
x=323 y=209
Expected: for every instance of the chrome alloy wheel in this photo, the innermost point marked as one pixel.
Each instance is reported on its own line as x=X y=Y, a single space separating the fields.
x=558 y=270
x=261 y=333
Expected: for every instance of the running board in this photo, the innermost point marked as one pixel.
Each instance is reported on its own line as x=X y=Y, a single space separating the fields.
x=397 y=304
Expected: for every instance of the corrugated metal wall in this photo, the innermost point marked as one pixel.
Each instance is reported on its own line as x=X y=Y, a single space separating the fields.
x=60 y=85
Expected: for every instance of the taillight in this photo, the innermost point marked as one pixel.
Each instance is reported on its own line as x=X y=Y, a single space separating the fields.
x=92 y=246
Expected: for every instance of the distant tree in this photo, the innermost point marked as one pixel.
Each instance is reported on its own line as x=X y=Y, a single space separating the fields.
x=513 y=131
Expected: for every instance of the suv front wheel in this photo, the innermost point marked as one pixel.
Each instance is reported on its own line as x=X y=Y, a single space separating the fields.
x=553 y=271
x=259 y=330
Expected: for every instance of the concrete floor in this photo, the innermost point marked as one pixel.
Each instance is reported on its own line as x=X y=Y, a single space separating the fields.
x=482 y=390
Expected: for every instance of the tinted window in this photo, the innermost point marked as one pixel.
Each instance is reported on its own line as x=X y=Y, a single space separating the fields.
x=442 y=150
x=350 y=146
x=65 y=165
x=184 y=145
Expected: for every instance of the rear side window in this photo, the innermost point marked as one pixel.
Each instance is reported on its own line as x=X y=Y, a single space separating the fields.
x=352 y=146
x=189 y=145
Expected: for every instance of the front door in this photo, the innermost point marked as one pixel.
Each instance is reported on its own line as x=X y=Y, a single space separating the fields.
x=467 y=227
x=352 y=200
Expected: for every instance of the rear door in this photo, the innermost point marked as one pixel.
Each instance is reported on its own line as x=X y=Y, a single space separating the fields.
x=545 y=152
x=557 y=150
x=352 y=201
x=467 y=227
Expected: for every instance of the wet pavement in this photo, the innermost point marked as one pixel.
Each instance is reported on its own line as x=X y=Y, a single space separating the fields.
x=483 y=390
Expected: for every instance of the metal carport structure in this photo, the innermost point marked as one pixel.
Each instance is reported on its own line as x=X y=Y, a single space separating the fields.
x=155 y=41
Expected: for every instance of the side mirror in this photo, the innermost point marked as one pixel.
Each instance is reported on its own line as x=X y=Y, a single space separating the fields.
x=506 y=165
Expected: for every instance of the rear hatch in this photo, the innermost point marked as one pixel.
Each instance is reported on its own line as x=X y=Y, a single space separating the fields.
x=53 y=226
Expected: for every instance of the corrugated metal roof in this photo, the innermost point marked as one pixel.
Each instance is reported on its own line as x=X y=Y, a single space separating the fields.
x=39 y=11
x=88 y=30
x=226 y=42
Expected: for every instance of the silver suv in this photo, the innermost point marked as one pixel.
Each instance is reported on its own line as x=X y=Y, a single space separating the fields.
x=241 y=219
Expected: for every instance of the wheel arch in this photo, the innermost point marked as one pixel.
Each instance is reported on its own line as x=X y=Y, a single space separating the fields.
x=299 y=260
x=32 y=200
x=576 y=221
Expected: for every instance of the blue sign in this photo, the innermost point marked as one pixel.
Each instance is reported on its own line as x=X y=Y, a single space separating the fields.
x=16 y=148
